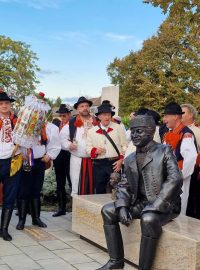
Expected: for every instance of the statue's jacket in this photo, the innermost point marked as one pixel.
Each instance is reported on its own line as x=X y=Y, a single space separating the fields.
x=162 y=181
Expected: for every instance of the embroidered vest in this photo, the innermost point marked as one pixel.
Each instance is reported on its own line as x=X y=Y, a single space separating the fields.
x=73 y=126
x=175 y=140
x=13 y=119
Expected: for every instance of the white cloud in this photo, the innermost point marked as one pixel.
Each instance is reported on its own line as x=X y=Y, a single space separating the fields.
x=38 y=4
x=135 y=42
x=46 y=72
x=76 y=37
x=118 y=37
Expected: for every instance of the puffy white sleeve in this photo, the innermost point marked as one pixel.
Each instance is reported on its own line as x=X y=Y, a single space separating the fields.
x=53 y=146
x=123 y=141
x=64 y=138
x=189 y=154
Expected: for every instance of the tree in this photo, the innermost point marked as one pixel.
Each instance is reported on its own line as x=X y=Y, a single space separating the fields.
x=17 y=68
x=186 y=12
x=165 y=69
x=57 y=102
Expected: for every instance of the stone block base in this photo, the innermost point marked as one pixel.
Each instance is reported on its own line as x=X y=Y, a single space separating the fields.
x=179 y=245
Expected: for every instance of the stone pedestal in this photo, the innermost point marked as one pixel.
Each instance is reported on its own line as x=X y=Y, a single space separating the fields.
x=179 y=246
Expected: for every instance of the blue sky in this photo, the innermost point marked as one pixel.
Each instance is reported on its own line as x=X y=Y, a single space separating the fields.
x=75 y=40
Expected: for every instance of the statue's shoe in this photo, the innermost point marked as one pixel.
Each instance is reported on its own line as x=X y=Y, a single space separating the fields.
x=113 y=264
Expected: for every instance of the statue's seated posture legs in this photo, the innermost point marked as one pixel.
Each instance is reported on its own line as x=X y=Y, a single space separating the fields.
x=151 y=227
x=151 y=194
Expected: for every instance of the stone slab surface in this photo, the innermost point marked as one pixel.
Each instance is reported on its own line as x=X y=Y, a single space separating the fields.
x=179 y=246
x=53 y=248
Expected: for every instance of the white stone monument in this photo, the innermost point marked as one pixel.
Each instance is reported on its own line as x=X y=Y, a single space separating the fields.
x=111 y=93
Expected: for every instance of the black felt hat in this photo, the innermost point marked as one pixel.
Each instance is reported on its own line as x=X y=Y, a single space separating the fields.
x=173 y=108
x=107 y=102
x=82 y=100
x=5 y=97
x=104 y=108
x=63 y=109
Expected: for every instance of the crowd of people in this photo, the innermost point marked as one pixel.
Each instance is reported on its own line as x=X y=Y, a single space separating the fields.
x=86 y=149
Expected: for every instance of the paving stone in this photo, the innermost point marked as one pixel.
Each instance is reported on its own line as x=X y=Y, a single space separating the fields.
x=55 y=247
x=23 y=240
x=87 y=266
x=65 y=236
x=54 y=244
x=83 y=246
x=38 y=252
x=56 y=227
x=129 y=267
x=72 y=256
x=12 y=230
x=58 y=264
x=59 y=224
x=38 y=234
x=1 y=262
x=4 y=267
x=100 y=257
x=7 y=248
x=20 y=262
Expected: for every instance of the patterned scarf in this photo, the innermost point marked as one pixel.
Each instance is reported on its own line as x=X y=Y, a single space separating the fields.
x=6 y=130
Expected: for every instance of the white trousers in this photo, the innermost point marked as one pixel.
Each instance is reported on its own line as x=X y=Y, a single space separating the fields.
x=75 y=168
x=185 y=194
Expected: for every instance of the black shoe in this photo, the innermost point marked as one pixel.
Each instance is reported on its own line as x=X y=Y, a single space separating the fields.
x=113 y=264
x=62 y=199
x=22 y=212
x=35 y=213
x=38 y=222
x=59 y=213
x=6 y=236
x=20 y=225
x=5 y=221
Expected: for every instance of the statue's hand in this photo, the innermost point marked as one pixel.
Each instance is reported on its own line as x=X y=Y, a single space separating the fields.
x=124 y=216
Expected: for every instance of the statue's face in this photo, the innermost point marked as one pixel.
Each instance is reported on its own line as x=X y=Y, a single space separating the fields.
x=140 y=136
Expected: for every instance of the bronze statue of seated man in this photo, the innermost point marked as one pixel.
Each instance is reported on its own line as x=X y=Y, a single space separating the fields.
x=151 y=194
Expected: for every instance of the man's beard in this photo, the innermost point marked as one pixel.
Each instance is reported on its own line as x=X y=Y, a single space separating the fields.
x=84 y=113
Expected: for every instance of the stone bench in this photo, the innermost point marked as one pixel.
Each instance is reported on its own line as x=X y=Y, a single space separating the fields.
x=179 y=246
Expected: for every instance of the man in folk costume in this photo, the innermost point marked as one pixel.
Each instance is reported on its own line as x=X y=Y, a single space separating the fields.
x=183 y=142
x=73 y=138
x=44 y=150
x=9 y=165
x=189 y=119
x=62 y=164
x=106 y=144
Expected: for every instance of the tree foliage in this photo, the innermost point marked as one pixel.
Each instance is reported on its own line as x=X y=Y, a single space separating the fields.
x=17 y=68
x=57 y=102
x=186 y=12
x=166 y=68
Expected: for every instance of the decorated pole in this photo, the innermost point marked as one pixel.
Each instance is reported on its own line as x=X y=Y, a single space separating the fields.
x=31 y=119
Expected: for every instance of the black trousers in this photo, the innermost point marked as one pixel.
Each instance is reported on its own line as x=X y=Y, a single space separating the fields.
x=151 y=222
x=193 y=207
x=62 y=170
x=10 y=184
x=31 y=183
x=102 y=169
